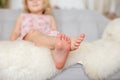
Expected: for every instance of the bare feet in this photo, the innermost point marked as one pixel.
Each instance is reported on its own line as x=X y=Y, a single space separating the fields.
x=61 y=52
x=63 y=47
x=77 y=41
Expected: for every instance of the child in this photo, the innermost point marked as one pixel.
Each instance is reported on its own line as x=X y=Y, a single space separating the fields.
x=37 y=25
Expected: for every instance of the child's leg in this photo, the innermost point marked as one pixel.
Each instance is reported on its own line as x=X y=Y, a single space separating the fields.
x=60 y=46
x=40 y=39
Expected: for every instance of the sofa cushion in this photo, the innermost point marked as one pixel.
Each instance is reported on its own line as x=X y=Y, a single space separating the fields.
x=8 y=18
x=74 y=22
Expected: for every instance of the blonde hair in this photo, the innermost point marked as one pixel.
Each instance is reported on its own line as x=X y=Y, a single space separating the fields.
x=47 y=7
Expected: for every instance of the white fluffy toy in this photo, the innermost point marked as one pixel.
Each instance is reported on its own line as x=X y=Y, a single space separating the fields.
x=20 y=60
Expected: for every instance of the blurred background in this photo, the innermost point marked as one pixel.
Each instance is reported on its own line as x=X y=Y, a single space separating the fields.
x=108 y=8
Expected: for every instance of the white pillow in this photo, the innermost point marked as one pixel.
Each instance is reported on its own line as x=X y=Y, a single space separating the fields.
x=112 y=31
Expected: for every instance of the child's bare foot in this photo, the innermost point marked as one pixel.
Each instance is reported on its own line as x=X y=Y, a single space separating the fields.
x=62 y=49
x=77 y=41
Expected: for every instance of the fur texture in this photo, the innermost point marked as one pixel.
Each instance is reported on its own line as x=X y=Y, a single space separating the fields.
x=20 y=60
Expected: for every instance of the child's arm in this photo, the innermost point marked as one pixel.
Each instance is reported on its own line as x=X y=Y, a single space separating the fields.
x=16 y=30
x=53 y=23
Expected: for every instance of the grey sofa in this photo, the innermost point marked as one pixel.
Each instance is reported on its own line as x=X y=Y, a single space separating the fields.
x=70 y=22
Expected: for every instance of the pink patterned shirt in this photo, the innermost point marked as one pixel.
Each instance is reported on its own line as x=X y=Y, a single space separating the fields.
x=39 y=22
